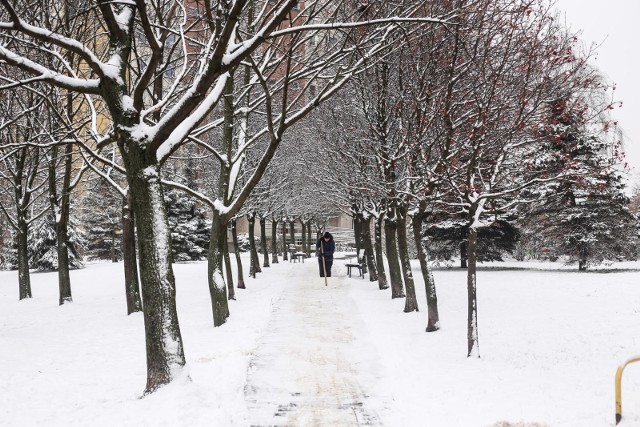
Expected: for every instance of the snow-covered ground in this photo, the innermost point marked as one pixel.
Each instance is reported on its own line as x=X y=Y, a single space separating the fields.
x=295 y=352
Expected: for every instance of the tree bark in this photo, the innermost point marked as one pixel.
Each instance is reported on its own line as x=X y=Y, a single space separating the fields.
x=165 y=354
x=254 y=264
x=411 y=302
x=382 y=275
x=368 y=248
x=60 y=206
x=217 y=285
x=285 y=252
x=236 y=246
x=228 y=273
x=473 y=349
x=304 y=237
x=433 y=322
x=463 y=254
x=263 y=241
x=309 y=239
x=131 y=280
x=24 y=278
x=274 y=241
x=357 y=226
x=292 y=232
x=395 y=274
x=114 y=257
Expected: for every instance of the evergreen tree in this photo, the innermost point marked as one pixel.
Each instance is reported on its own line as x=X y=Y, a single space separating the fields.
x=585 y=218
x=101 y=216
x=43 y=255
x=493 y=242
x=189 y=227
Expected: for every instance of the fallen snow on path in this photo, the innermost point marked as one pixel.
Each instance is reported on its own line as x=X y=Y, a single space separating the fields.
x=296 y=353
x=315 y=365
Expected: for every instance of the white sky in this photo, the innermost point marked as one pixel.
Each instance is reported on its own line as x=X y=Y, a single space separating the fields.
x=613 y=24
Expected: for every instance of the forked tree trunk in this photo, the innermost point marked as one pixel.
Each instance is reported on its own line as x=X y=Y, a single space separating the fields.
x=228 y=273
x=236 y=247
x=24 y=278
x=395 y=273
x=131 y=280
x=263 y=242
x=411 y=302
x=274 y=241
x=382 y=275
x=433 y=322
x=165 y=354
x=473 y=350
x=368 y=248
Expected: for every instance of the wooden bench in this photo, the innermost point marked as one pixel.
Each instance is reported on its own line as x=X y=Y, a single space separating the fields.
x=360 y=266
x=300 y=256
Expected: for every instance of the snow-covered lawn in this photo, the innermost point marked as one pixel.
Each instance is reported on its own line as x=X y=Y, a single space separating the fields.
x=550 y=340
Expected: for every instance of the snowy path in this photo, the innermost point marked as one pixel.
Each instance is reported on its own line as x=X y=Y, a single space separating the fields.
x=312 y=367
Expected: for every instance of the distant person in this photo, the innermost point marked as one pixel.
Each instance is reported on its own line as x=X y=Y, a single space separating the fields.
x=325 y=246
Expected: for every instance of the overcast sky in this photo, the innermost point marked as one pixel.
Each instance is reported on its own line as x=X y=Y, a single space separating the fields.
x=613 y=24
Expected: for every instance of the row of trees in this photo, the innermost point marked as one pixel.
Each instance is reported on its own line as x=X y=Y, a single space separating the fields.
x=457 y=116
x=475 y=132
x=125 y=89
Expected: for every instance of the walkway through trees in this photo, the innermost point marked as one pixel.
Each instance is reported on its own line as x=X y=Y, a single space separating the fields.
x=314 y=366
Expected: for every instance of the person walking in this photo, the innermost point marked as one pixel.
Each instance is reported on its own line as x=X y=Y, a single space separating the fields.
x=325 y=246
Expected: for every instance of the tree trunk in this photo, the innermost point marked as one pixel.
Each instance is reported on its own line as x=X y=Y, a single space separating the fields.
x=292 y=232
x=114 y=257
x=64 y=279
x=228 y=273
x=304 y=237
x=368 y=248
x=60 y=206
x=582 y=261
x=433 y=323
x=357 y=226
x=309 y=239
x=411 y=302
x=274 y=241
x=165 y=354
x=382 y=275
x=463 y=254
x=217 y=285
x=254 y=264
x=24 y=278
x=131 y=280
x=236 y=247
x=395 y=274
x=285 y=252
x=263 y=242
x=472 y=302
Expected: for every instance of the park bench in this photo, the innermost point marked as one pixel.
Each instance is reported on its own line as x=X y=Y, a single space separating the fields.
x=359 y=265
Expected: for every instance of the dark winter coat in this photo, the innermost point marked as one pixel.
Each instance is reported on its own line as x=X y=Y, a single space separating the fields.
x=327 y=246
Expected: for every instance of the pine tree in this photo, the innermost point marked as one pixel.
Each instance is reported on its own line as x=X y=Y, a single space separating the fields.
x=101 y=216
x=493 y=242
x=43 y=255
x=585 y=218
x=189 y=227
